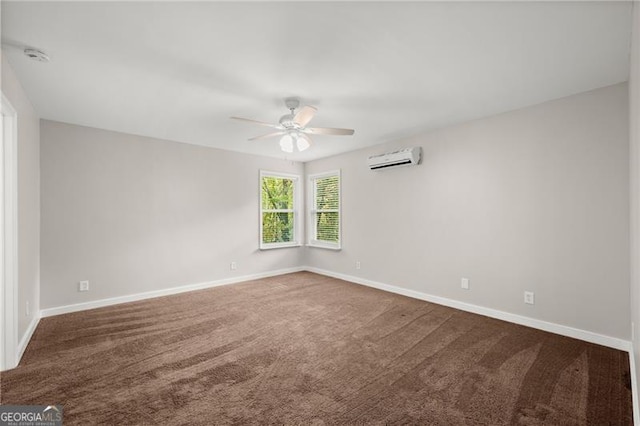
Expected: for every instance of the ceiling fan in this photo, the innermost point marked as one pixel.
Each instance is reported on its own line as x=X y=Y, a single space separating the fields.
x=293 y=127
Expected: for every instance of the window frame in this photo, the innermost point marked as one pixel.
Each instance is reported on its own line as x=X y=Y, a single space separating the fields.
x=311 y=229
x=297 y=226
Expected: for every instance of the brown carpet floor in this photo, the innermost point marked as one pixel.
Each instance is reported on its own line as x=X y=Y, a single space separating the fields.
x=307 y=349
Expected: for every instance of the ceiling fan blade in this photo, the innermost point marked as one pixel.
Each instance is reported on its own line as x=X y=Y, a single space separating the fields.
x=268 y=135
x=305 y=115
x=261 y=123
x=328 y=131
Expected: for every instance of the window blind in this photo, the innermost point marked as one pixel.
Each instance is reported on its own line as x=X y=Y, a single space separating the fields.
x=326 y=210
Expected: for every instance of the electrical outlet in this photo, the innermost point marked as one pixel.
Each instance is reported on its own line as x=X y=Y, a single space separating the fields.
x=529 y=298
x=27 y=311
x=464 y=283
x=83 y=286
x=234 y=266
x=357 y=264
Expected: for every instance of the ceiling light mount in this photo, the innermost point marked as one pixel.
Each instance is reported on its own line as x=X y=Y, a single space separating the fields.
x=292 y=103
x=36 y=55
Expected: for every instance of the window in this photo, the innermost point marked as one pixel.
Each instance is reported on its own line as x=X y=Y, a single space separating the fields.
x=324 y=227
x=279 y=210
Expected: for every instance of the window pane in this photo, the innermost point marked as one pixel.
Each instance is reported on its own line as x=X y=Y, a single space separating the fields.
x=277 y=227
x=277 y=193
x=328 y=226
x=327 y=193
x=326 y=190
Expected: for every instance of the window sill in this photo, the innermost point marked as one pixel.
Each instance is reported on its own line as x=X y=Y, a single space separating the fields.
x=324 y=246
x=279 y=246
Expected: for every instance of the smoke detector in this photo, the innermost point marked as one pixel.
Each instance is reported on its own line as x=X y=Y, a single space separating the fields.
x=36 y=55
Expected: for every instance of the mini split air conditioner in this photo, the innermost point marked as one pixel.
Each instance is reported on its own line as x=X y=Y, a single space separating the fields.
x=403 y=157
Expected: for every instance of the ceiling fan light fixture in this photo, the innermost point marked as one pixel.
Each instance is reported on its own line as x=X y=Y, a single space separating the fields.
x=286 y=143
x=302 y=144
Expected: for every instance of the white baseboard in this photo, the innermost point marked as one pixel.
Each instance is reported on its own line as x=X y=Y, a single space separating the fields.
x=588 y=336
x=164 y=292
x=26 y=338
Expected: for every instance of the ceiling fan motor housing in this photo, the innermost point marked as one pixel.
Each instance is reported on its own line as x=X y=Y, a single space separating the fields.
x=287 y=122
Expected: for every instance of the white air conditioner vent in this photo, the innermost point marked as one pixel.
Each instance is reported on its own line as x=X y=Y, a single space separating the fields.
x=402 y=157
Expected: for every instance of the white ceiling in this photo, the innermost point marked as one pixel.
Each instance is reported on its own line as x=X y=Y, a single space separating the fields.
x=177 y=71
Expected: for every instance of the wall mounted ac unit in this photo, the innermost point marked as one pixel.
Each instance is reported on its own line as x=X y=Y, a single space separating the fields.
x=403 y=157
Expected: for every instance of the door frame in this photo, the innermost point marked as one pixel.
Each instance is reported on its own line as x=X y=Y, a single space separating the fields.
x=9 y=236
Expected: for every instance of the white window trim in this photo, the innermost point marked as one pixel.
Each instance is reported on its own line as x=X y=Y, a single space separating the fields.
x=311 y=209
x=297 y=204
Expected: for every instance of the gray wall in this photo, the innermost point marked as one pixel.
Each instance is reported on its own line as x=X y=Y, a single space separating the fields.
x=28 y=198
x=134 y=214
x=534 y=199
x=634 y=127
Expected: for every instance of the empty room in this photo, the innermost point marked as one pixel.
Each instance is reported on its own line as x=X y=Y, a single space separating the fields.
x=327 y=213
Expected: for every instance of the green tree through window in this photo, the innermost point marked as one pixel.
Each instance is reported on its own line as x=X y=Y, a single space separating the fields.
x=278 y=209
